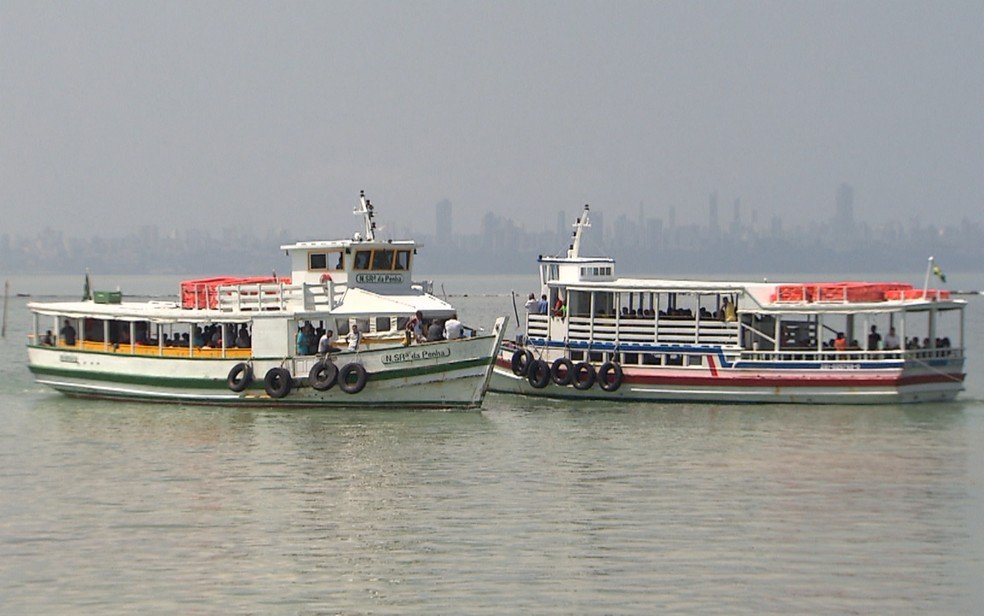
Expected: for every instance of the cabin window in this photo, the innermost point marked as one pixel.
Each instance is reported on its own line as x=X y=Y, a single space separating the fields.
x=382 y=324
x=362 y=259
x=401 y=322
x=402 y=260
x=695 y=360
x=577 y=355
x=382 y=260
x=317 y=261
x=341 y=327
x=337 y=260
x=596 y=356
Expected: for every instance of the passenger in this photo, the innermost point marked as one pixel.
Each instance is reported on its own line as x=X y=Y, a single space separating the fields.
x=415 y=328
x=67 y=333
x=185 y=340
x=47 y=339
x=453 y=328
x=625 y=313
x=560 y=308
x=531 y=304
x=891 y=340
x=541 y=306
x=730 y=312
x=354 y=338
x=198 y=339
x=840 y=343
x=243 y=340
x=326 y=344
x=435 y=331
x=301 y=342
x=874 y=338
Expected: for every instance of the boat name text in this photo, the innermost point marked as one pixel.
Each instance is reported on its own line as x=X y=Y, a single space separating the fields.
x=68 y=359
x=415 y=355
x=379 y=278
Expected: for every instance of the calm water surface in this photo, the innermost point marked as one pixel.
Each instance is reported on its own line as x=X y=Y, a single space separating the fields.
x=524 y=507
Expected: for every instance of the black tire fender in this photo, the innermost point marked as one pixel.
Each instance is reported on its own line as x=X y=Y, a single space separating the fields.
x=584 y=376
x=346 y=373
x=562 y=371
x=323 y=375
x=240 y=377
x=521 y=360
x=538 y=374
x=277 y=382
x=610 y=376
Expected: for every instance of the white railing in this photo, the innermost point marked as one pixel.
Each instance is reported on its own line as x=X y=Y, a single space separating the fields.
x=661 y=331
x=851 y=355
x=280 y=296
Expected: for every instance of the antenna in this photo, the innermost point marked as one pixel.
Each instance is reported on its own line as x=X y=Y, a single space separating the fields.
x=366 y=211
x=582 y=222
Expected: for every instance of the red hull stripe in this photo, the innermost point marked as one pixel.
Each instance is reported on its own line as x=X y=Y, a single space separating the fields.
x=724 y=379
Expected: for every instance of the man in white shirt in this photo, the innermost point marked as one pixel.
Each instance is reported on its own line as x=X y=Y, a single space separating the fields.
x=452 y=328
x=354 y=338
x=891 y=340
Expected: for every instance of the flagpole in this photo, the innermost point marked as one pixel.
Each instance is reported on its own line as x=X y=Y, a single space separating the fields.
x=929 y=268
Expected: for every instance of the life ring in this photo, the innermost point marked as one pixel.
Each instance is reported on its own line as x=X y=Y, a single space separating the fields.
x=277 y=382
x=584 y=376
x=521 y=360
x=538 y=374
x=562 y=371
x=240 y=377
x=361 y=376
x=323 y=375
x=616 y=376
x=326 y=277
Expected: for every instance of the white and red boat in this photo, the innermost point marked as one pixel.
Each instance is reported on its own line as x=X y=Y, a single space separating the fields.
x=603 y=337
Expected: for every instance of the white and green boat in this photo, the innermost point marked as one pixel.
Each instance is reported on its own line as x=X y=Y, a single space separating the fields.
x=254 y=341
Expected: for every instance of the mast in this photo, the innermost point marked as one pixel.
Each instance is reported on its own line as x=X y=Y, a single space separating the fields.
x=366 y=212
x=579 y=225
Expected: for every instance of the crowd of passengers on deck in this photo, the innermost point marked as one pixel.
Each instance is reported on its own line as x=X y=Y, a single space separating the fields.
x=726 y=312
x=208 y=337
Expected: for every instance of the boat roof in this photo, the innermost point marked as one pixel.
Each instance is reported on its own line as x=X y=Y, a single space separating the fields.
x=316 y=244
x=154 y=311
x=761 y=292
x=357 y=303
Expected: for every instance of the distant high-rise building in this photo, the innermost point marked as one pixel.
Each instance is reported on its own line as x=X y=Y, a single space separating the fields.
x=442 y=222
x=712 y=214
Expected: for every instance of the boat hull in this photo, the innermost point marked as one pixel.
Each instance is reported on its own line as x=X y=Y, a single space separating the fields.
x=910 y=381
x=447 y=374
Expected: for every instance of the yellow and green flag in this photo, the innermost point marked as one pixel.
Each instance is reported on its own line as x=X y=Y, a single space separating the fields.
x=939 y=273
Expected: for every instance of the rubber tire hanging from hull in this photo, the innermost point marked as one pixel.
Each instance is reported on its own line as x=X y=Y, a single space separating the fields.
x=521 y=361
x=323 y=375
x=277 y=382
x=567 y=376
x=361 y=377
x=539 y=374
x=240 y=377
x=616 y=376
x=588 y=372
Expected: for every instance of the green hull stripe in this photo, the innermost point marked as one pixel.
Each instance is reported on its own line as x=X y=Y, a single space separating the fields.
x=206 y=383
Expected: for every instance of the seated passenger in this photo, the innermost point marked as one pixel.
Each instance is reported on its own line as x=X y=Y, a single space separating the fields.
x=435 y=331
x=891 y=340
x=840 y=343
x=453 y=328
x=198 y=339
x=242 y=339
x=47 y=339
x=326 y=344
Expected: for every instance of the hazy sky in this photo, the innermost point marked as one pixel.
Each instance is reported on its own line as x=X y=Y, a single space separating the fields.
x=214 y=114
